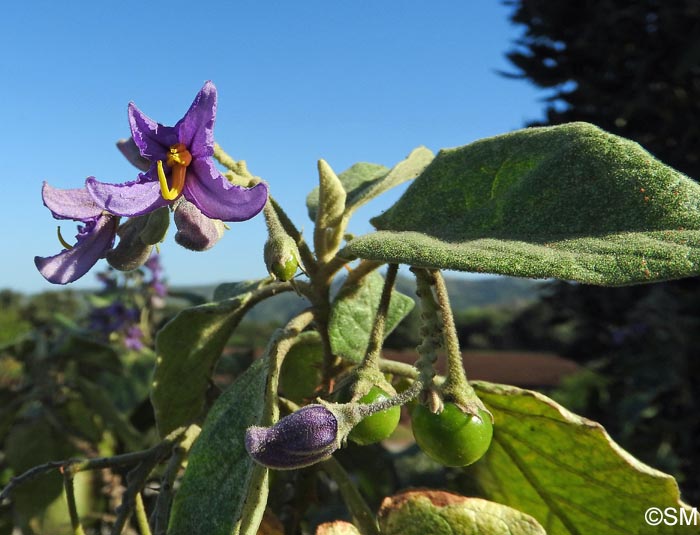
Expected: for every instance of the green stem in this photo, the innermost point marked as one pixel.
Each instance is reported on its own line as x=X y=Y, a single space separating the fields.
x=376 y=339
x=360 y=511
x=398 y=368
x=72 y=508
x=141 y=518
x=430 y=328
x=224 y=159
x=280 y=344
x=456 y=376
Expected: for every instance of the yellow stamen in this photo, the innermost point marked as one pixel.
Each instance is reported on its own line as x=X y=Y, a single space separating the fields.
x=178 y=159
x=168 y=193
x=60 y=239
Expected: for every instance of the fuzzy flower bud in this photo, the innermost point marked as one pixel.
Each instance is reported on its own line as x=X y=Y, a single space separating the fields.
x=281 y=257
x=301 y=439
x=195 y=231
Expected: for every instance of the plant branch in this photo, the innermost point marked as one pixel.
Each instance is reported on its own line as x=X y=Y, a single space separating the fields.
x=141 y=518
x=360 y=511
x=278 y=347
x=72 y=508
x=376 y=339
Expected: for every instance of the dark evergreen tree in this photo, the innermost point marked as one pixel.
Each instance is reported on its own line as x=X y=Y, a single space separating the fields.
x=632 y=68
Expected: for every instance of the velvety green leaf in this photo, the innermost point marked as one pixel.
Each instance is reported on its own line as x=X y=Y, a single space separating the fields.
x=219 y=471
x=187 y=349
x=570 y=201
x=352 y=315
x=433 y=512
x=228 y=290
x=364 y=181
x=301 y=371
x=565 y=470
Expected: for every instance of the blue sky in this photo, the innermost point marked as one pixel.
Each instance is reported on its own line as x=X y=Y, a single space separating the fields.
x=297 y=81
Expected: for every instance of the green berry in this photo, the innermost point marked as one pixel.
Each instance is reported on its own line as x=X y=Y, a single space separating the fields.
x=379 y=425
x=452 y=437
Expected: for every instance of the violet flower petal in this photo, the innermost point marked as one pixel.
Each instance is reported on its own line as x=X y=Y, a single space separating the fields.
x=196 y=128
x=129 y=199
x=71 y=264
x=152 y=138
x=217 y=198
x=303 y=438
x=69 y=203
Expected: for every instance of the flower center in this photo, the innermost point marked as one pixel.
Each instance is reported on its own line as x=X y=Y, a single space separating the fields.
x=178 y=159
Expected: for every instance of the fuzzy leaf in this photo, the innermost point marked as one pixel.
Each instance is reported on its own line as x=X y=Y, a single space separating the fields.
x=434 y=512
x=365 y=181
x=219 y=472
x=565 y=470
x=188 y=348
x=571 y=202
x=352 y=315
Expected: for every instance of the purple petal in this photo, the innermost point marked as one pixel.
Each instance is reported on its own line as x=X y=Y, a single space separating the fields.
x=132 y=153
x=71 y=264
x=152 y=138
x=196 y=128
x=129 y=199
x=217 y=198
x=70 y=203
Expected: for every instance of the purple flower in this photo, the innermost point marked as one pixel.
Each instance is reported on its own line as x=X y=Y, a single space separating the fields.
x=180 y=164
x=303 y=438
x=95 y=236
x=134 y=338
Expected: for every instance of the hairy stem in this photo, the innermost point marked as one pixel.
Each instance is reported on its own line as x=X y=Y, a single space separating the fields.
x=277 y=349
x=376 y=339
x=456 y=376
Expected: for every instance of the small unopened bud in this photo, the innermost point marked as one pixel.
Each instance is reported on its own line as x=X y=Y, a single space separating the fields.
x=156 y=226
x=195 y=231
x=301 y=439
x=281 y=257
x=131 y=252
x=131 y=152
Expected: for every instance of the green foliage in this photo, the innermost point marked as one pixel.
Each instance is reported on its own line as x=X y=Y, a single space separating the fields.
x=565 y=470
x=353 y=313
x=189 y=346
x=300 y=374
x=364 y=181
x=571 y=202
x=428 y=512
x=219 y=471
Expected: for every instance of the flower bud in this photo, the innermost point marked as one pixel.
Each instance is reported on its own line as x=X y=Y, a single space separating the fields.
x=132 y=153
x=301 y=439
x=131 y=252
x=195 y=231
x=156 y=226
x=281 y=257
